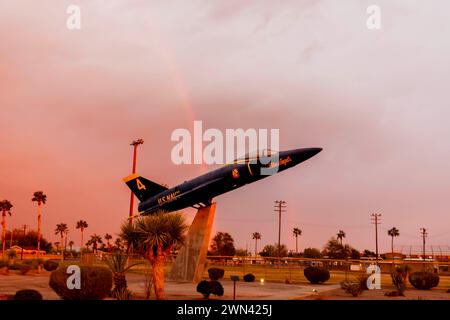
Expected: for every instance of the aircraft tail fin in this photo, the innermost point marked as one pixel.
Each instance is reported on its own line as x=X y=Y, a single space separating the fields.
x=143 y=188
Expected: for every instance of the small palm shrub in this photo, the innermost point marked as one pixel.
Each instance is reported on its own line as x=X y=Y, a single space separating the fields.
x=216 y=273
x=249 y=277
x=118 y=264
x=353 y=288
x=423 y=280
x=316 y=275
x=27 y=294
x=206 y=288
x=50 y=265
x=399 y=284
x=96 y=283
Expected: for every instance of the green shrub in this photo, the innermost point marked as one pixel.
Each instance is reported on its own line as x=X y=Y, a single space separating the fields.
x=27 y=294
x=206 y=288
x=50 y=265
x=3 y=263
x=316 y=275
x=27 y=262
x=15 y=266
x=96 y=283
x=203 y=288
x=37 y=262
x=216 y=288
x=11 y=254
x=24 y=268
x=249 y=277
x=423 y=280
x=216 y=273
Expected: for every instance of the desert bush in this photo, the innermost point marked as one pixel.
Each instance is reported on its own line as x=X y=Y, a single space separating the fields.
x=24 y=269
x=362 y=280
x=249 y=277
x=11 y=254
x=15 y=266
x=206 y=288
x=316 y=275
x=27 y=294
x=3 y=263
x=50 y=265
x=353 y=288
x=96 y=283
x=215 y=273
x=423 y=280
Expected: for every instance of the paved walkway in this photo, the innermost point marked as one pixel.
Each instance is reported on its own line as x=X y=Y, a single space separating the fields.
x=175 y=290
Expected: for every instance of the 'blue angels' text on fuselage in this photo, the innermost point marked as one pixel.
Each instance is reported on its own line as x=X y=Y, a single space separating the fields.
x=201 y=190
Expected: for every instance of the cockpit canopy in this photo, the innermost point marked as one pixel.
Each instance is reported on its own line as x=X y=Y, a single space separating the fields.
x=253 y=155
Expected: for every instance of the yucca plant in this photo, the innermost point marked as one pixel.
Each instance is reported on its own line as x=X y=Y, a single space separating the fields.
x=154 y=236
x=118 y=263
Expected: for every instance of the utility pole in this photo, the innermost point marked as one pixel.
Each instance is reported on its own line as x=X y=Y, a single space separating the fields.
x=424 y=234
x=24 y=234
x=280 y=206
x=375 y=217
x=135 y=144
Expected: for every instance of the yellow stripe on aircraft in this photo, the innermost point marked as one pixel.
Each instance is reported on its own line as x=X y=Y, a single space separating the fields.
x=131 y=177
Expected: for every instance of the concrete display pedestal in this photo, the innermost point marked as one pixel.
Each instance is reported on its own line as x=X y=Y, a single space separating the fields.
x=191 y=259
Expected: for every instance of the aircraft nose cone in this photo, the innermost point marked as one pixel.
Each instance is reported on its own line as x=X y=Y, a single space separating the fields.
x=306 y=153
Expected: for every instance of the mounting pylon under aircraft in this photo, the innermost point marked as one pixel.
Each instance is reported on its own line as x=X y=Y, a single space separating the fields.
x=200 y=191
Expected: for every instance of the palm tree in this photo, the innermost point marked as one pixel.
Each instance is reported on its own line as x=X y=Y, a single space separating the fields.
x=82 y=225
x=107 y=238
x=71 y=243
x=394 y=232
x=154 y=236
x=89 y=243
x=118 y=243
x=40 y=198
x=61 y=229
x=256 y=236
x=296 y=232
x=340 y=235
x=5 y=207
x=95 y=240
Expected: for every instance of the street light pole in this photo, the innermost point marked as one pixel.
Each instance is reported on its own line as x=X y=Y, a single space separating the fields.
x=135 y=144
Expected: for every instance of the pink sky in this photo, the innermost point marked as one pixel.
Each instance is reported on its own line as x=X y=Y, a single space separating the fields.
x=376 y=101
